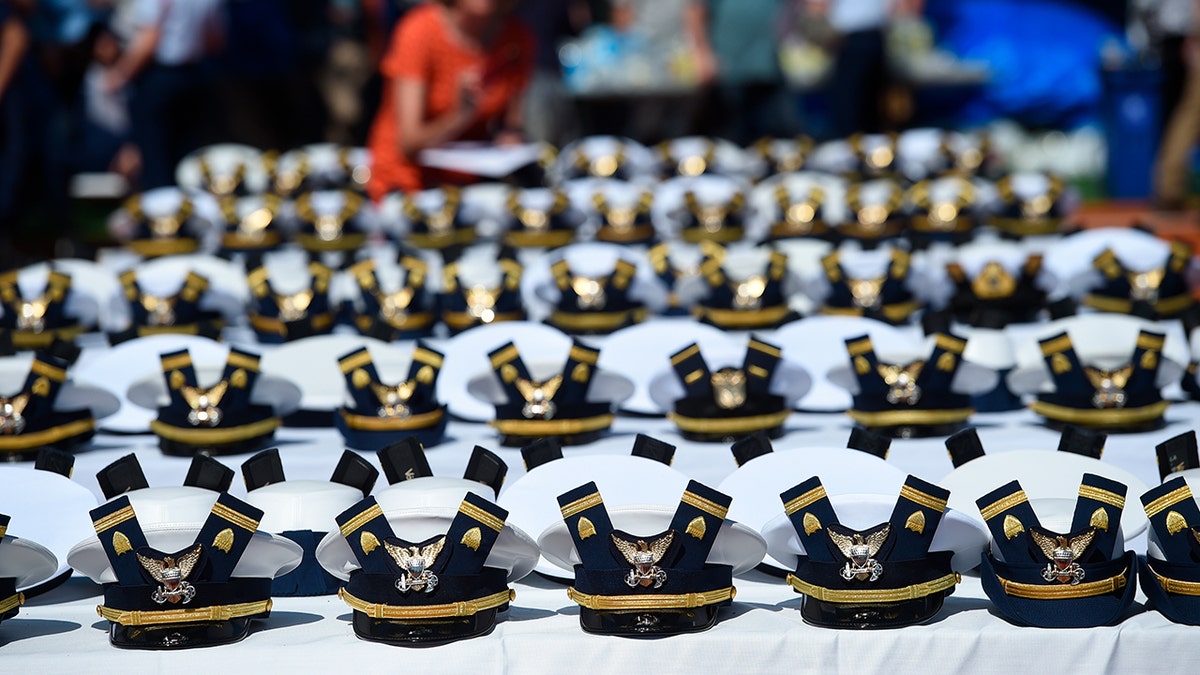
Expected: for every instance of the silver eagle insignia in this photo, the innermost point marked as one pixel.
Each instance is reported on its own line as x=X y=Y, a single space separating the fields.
x=172 y=572
x=861 y=551
x=414 y=564
x=1063 y=554
x=644 y=558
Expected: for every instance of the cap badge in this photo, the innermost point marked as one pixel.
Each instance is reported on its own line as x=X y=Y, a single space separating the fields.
x=172 y=573
x=393 y=306
x=1144 y=285
x=12 y=417
x=538 y=395
x=31 y=316
x=589 y=292
x=644 y=558
x=867 y=293
x=294 y=307
x=861 y=551
x=729 y=388
x=748 y=294
x=1109 y=385
x=1063 y=554
x=203 y=404
x=902 y=382
x=481 y=303
x=393 y=401
x=160 y=311
x=414 y=565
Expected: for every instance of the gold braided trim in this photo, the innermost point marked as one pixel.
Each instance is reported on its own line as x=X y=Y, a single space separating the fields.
x=1055 y=345
x=769 y=350
x=1063 y=592
x=413 y=321
x=258 y=241
x=875 y=595
x=346 y=242
x=1152 y=342
x=354 y=524
x=462 y=320
x=266 y=324
x=895 y=312
x=923 y=498
x=35 y=439
x=1100 y=418
x=464 y=608
x=1027 y=228
x=1003 y=504
x=52 y=371
x=240 y=519
x=582 y=504
x=1101 y=495
x=892 y=227
x=463 y=235
x=194 y=615
x=685 y=355
x=596 y=320
x=355 y=361
x=742 y=318
x=247 y=361
x=176 y=362
x=185 y=329
x=204 y=436
x=961 y=225
x=1166 y=306
x=153 y=248
x=113 y=519
x=860 y=347
x=784 y=230
x=725 y=235
x=582 y=355
x=549 y=239
x=504 y=356
x=1175 y=586
x=3 y=531
x=23 y=339
x=888 y=418
x=563 y=427
x=650 y=602
x=1168 y=500
x=729 y=425
x=376 y=423
x=706 y=505
x=12 y=602
x=812 y=496
x=471 y=511
x=950 y=344
x=633 y=234
x=428 y=357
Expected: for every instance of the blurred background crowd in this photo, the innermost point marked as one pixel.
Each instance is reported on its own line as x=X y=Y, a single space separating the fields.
x=126 y=88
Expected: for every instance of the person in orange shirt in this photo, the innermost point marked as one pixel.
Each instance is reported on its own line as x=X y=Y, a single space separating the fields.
x=454 y=71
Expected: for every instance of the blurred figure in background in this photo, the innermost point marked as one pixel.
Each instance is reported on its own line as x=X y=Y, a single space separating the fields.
x=15 y=42
x=743 y=37
x=167 y=62
x=455 y=71
x=860 y=66
x=1180 y=19
x=548 y=114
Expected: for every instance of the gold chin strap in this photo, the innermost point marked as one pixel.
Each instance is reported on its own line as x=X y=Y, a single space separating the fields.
x=417 y=612
x=913 y=592
x=11 y=602
x=195 y=615
x=1063 y=592
x=649 y=602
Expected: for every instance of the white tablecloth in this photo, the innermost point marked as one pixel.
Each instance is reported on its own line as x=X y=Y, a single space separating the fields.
x=761 y=632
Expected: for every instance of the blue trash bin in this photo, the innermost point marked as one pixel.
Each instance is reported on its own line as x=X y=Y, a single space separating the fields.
x=1131 y=119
